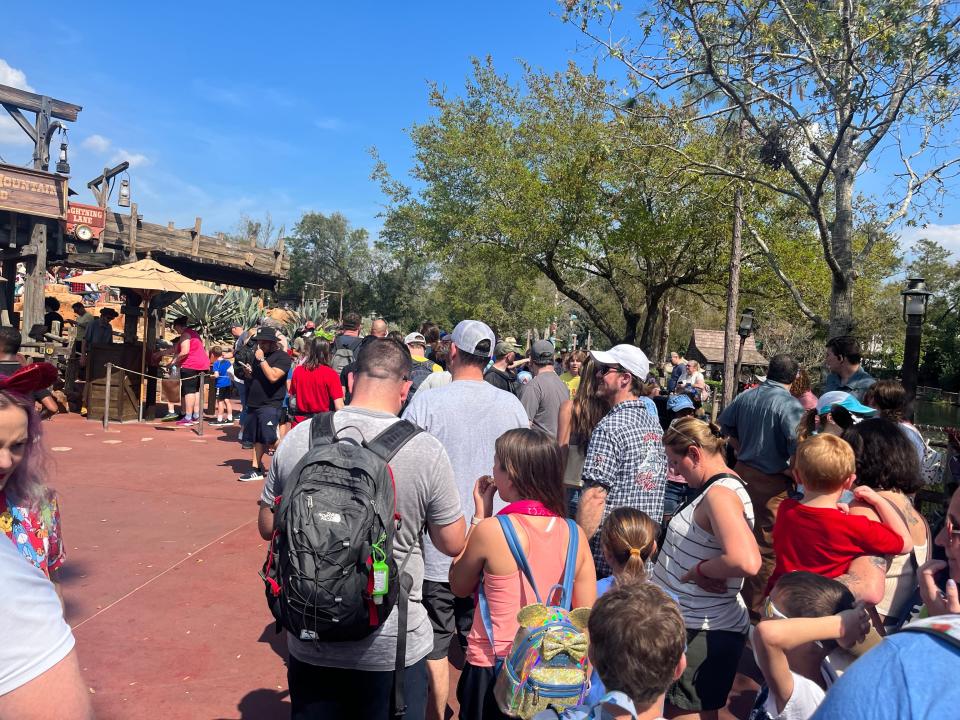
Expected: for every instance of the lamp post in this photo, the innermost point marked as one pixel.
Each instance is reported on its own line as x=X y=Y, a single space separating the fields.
x=744 y=330
x=915 y=299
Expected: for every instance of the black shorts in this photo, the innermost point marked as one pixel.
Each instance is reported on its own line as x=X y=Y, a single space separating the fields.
x=448 y=615
x=223 y=393
x=712 y=660
x=189 y=381
x=260 y=425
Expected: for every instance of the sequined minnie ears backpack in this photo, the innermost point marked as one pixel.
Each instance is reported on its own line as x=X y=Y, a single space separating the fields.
x=547 y=664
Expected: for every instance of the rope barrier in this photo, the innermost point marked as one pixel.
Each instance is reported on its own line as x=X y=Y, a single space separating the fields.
x=106 y=397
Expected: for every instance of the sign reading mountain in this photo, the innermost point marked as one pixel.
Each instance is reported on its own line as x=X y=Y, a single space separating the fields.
x=32 y=192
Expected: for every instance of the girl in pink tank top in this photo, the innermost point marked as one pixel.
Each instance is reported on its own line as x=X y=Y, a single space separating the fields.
x=528 y=474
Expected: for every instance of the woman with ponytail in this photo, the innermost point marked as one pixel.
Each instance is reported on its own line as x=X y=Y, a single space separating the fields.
x=708 y=549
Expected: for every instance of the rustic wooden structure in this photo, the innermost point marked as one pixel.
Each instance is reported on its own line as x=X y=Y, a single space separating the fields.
x=34 y=221
x=213 y=258
x=706 y=347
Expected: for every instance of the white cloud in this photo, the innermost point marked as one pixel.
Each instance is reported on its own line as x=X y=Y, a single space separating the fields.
x=135 y=159
x=97 y=143
x=13 y=77
x=10 y=132
x=327 y=123
x=946 y=235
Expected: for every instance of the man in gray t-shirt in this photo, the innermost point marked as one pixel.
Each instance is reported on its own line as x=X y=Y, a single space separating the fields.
x=542 y=396
x=467 y=416
x=321 y=674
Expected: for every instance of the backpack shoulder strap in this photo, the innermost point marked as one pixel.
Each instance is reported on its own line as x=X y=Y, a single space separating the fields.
x=388 y=443
x=322 y=431
x=513 y=542
x=570 y=568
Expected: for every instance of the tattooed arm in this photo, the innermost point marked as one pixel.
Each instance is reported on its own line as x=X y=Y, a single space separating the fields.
x=865 y=578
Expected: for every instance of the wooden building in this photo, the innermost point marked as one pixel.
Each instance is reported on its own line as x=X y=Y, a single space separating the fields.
x=42 y=228
x=706 y=347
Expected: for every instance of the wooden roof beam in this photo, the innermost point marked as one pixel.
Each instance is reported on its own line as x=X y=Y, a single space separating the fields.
x=34 y=103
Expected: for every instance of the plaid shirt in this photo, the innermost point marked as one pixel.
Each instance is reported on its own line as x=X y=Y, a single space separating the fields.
x=626 y=456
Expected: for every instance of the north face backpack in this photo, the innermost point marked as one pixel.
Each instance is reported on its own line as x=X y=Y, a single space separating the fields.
x=547 y=664
x=330 y=572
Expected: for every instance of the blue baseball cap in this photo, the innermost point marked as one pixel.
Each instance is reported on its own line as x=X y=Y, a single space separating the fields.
x=829 y=400
x=676 y=403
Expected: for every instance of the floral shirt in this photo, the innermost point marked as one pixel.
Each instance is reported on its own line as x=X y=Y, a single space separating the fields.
x=34 y=530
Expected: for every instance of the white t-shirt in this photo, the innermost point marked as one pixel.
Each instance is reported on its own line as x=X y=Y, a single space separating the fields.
x=35 y=636
x=803 y=703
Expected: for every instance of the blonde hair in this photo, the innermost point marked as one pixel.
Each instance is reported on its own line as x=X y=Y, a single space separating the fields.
x=689 y=431
x=824 y=462
x=629 y=537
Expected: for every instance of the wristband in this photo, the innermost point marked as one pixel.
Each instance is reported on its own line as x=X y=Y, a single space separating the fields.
x=476 y=520
x=700 y=572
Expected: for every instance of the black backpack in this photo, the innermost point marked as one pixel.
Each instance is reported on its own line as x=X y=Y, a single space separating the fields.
x=422 y=369
x=244 y=355
x=331 y=551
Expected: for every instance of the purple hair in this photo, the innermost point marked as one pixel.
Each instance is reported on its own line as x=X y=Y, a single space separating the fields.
x=28 y=482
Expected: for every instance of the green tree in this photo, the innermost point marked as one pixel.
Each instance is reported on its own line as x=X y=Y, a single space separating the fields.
x=545 y=177
x=327 y=253
x=940 y=363
x=824 y=88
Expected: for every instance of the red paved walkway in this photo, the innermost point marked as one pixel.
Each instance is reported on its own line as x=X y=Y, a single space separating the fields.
x=161 y=581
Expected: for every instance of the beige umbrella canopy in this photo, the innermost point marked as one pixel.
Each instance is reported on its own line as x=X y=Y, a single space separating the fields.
x=145 y=275
x=148 y=278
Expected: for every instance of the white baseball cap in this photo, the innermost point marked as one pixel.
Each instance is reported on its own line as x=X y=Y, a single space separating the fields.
x=630 y=358
x=415 y=337
x=470 y=333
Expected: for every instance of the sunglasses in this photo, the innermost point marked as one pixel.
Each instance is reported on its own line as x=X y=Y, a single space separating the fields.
x=673 y=427
x=953 y=535
x=770 y=611
x=604 y=370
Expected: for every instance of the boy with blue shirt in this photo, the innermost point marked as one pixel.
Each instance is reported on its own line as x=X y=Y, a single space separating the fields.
x=222 y=371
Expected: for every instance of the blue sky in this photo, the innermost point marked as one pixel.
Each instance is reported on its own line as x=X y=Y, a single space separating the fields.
x=237 y=108
x=225 y=109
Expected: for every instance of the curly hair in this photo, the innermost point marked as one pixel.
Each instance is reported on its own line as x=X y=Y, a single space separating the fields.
x=885 y=457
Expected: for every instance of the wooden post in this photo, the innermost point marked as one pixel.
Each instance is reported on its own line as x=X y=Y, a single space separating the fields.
x=195 y=234
x=36 y=280
x=106 y=397
x=200 y=401
x=132 y=230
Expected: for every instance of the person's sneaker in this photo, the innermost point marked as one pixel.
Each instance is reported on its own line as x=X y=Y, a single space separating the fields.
x=184 y=422
x=169 y=417
x=246 y=446
x=251 y=476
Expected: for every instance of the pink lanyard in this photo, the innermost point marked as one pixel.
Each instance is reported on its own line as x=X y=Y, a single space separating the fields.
x=528 y=507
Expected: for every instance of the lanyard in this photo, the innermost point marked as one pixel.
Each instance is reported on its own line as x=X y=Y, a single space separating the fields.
x=528 y=507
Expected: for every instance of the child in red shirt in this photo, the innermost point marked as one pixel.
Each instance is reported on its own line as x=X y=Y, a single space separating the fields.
x=817 y=533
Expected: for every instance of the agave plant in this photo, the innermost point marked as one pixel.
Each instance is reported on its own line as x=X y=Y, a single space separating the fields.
x=248 y=307
x=210 y=315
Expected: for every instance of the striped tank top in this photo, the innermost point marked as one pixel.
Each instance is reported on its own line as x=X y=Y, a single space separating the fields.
x=685 y=545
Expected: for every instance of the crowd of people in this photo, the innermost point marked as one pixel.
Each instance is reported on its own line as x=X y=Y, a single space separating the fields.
x=466 y=499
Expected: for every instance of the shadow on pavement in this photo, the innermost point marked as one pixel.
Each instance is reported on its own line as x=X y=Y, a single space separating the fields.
x=276 y=640
x=263 y=704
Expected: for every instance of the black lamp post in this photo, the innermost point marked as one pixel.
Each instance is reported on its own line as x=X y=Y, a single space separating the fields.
x=915 y=299
x=744 y=330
